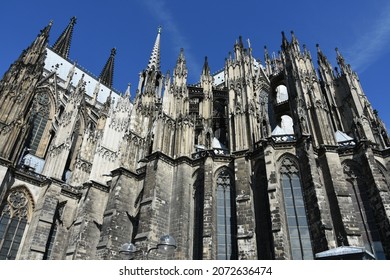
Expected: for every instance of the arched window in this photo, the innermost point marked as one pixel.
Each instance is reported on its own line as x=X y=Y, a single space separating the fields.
x=281 y=94
x=39 y=130
x=224 y=217
x=15 y=214
x=298 y=230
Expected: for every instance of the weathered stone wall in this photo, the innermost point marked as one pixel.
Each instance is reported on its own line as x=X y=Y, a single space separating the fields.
x=246 y=239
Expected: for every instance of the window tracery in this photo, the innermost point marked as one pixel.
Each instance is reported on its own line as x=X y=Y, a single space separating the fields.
x=39 y=121
x=16 y=212
x=298 y=229
x=224 y=216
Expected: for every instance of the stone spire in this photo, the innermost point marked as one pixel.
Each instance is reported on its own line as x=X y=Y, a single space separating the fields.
x=285 y=43
x=107 y=75
x=206 y=67
x=127 y=93
x=154 y=61
x=38 y=48
x=321 y=57
x=62 y=45
x=341 y=62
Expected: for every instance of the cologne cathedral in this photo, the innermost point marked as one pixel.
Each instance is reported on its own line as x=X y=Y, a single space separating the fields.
x=271 y=159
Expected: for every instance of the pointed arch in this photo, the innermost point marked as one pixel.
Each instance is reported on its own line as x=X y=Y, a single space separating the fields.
x=15 y=214
x=44 y=108
x=295 y=210
x=225 y=213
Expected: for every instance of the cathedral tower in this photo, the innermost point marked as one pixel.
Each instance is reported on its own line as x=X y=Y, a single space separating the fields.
x=17 y=95
x=281 y=160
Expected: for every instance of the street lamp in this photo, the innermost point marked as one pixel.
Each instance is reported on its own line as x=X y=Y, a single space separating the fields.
x=166 y=245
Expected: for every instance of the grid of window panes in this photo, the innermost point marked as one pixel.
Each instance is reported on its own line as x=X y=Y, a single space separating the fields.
x=224 y=216
x=39 y=125
x=13 y=221
x=11 y=233
x=298 y=229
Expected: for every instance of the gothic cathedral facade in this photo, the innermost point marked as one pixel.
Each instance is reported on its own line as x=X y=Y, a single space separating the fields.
x=262 y=160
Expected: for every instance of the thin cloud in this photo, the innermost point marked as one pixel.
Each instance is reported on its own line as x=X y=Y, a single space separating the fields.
x=371 y=45
x=161 y=12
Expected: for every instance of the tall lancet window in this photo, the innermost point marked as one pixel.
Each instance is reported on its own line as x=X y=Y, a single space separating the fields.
x=39 y=130
x=224 y=217
x=15 y=213
x=298 y=230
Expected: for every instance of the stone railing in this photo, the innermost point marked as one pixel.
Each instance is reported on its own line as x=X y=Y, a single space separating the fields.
x=215 y=151
x=348 y=143
x=284 y=138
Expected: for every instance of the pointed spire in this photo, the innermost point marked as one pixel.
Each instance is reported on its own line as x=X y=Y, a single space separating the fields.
x=295 y=43
x=107 y=104
x=181 y=68
x=340 y=58
x=284 y=41
x=206 y=68
x=62 y=45
x=240 y=42
x=266 y=54
x=46 y=30
x=127 y=93
x=321 y=57
x=294 y=39
x=181 y=57
x=341 y=62
x=107 y=75
x=37 y=49
x=43 y=36
x=154 y=61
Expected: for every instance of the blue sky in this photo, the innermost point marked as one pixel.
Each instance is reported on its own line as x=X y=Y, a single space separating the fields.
x=360 y=29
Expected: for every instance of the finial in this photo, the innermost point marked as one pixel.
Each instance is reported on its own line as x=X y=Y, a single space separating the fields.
x=62 y=45
x=305 y=49
x=240 y=40
x=284 y=41
x=113 y=51
x=206 y=68
x=159 y=29
x=127 y=93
